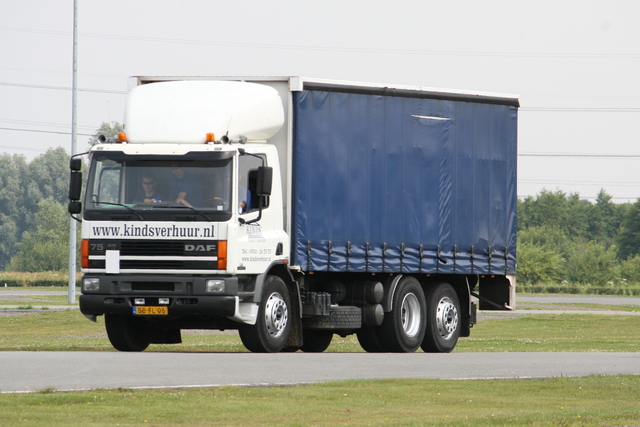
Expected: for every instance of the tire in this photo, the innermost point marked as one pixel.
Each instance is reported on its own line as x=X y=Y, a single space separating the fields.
x=403 y=329
x=444 y=320
x=369 y=340
x=271 y=331
x=127 y=333
x=315 y=341
x=344 y=318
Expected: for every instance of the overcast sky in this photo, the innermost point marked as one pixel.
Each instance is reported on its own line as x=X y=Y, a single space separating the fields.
x=574 y=63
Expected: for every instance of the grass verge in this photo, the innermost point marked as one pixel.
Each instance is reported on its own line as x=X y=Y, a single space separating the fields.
x=36 y=301
x=584 y=401
x=576 y=306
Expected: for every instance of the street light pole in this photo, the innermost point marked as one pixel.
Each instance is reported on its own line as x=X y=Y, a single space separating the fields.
x=74 y=134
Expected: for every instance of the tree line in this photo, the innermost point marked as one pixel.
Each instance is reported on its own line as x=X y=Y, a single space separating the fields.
x=562 y=238
x=34 y=223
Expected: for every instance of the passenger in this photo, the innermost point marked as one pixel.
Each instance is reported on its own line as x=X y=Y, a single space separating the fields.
x=185 y=187
x=220 y=194
x=244 y=196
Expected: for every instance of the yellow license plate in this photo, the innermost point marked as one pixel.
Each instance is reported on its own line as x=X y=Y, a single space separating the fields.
x=150 y=310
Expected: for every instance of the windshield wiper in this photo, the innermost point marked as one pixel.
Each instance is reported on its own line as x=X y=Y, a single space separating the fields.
x=140 y=217
x=172 y=205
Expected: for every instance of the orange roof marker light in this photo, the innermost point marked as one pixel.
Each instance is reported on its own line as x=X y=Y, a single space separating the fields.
x=210 y=138
x=122 y=137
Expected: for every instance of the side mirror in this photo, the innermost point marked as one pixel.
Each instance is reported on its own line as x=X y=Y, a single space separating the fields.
x=75 y=164
x=260 y=183
x=75 y=185
x=264 y=181
x=75 y=207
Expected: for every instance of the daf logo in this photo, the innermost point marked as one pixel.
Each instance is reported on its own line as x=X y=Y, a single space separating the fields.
x=199 y=248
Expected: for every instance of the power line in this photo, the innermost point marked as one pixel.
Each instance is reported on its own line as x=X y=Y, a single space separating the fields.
x=582 y=110
x=580 y=183
x=37 y=123
x=119 y=92
x=562 y=55
x=13 y=147
x=43 y=131
x=532 y=109
x=582 y=155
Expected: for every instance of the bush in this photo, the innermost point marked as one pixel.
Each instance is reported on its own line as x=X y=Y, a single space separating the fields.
x=592 y=263
x=630 y=269
x=41 y=279
x=538 y=264
x=577 y=289
x=45 y=247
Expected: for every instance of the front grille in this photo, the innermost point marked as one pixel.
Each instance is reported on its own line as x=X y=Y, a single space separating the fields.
x=151 y=248
x=142 y=254
x=132 y=264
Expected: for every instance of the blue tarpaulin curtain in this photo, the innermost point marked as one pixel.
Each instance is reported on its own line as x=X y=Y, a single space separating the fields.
x=403 y=184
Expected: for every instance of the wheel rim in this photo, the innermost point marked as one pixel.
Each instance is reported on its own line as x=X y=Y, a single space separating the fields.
x=276 y=315
x=410 y=313
x=446 y=318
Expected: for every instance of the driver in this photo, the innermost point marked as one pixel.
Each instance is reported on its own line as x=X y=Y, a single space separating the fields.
x=149 y=194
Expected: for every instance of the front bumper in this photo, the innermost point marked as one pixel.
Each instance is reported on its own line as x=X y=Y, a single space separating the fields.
x=193 y=305
x=186 y=295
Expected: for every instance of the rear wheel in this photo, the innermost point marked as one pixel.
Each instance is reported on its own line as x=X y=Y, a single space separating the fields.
x=403 y=328
x=271 y=331
x=444 y=321
x=127 y=333
x=316 y=341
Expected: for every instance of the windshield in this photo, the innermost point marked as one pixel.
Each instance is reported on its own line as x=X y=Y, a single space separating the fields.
x=197 y=183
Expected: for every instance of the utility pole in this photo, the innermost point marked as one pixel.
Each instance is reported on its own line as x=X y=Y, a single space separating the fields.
x=74 y=134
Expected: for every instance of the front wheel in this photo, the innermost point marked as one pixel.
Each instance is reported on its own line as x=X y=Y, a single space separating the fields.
x=271 y=331
x=443 y=319
x=127 y=333
x=403 y=329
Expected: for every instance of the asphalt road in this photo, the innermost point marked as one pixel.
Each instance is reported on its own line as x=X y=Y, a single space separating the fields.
x=30 y=371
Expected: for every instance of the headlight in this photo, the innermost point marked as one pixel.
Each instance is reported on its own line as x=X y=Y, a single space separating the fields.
x=215 y=286
x=90 y=284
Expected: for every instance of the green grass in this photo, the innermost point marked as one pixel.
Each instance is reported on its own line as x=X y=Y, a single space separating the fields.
x=585 y=401
x=69 y=330
x=36 y=300
x=556 y=333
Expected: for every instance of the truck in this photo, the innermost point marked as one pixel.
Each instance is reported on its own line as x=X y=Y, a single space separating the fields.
x=292 y=209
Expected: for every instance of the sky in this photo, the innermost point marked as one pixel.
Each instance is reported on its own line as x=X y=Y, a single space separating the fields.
x=575 y=65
